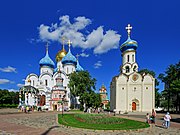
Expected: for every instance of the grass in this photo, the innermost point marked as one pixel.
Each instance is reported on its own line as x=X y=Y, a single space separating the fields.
x=99 y=122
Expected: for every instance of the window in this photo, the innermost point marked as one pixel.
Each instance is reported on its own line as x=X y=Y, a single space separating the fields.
x=67 y=70
x=128 y=58
x=133 y=58
x=127 y=69
x=46 y=82
x=33 y=82
x=134 y=68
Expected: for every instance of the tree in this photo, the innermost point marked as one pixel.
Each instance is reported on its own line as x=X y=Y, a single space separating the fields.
x=82 y=85
x=157 y=94
x=171 y=79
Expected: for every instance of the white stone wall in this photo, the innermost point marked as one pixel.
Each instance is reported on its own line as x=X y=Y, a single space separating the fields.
x=127 y=91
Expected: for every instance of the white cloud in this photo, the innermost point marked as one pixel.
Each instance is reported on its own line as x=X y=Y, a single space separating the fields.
x=20 y=85
x=13 y=90
x=99 y=40
x=84 y=54
x=98 y=64
x=5 y=81
x=8 y=69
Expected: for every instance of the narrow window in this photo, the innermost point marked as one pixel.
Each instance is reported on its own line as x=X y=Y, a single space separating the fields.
x=128 y=58
x=46 y=82
x=127 y=69
x=67 y=70
x=133 y=58
x=33 y=82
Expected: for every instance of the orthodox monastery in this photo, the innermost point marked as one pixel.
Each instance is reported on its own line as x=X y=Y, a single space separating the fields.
x=50 y=89
x=131 y=91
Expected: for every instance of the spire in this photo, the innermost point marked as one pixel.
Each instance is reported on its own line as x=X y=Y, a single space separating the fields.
x=63 y=39
x=129 y=28
x=77 y=56
x=69 y=44
x=47 y=48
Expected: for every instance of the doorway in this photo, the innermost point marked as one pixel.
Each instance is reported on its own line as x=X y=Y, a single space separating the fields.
x=133 y=106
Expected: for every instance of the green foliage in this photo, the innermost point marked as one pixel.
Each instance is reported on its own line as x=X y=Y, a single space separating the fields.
x=8 y=98
x=82 y=85
x=99 y=122
x=171 y=78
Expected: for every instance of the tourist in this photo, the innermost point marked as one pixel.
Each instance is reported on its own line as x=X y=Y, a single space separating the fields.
x=167 y=118
x=153 y=116
x=98 y=110
x=147 y=118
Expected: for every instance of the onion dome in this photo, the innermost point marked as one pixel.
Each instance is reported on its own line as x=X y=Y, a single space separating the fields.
x=69 y=58
x=78 y=67
x=46 y=61
x=129 y=44
x=60 y=54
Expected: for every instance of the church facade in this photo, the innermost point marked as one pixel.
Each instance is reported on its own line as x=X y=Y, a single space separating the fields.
x=131 y=91
x=52 y=82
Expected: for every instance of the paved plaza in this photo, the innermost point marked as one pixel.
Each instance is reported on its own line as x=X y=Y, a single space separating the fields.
x=45 y=123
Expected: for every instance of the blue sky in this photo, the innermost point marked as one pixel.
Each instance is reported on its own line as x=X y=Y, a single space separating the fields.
x=99 y=33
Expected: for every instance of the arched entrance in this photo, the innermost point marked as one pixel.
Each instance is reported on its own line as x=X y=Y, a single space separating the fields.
x=42 y=100
x=135 y=105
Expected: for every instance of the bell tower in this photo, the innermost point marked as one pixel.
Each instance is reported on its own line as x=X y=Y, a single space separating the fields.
x=128 y=50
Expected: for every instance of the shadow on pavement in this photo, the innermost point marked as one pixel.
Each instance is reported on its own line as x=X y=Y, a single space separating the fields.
x=177 y=120
x=47 y=131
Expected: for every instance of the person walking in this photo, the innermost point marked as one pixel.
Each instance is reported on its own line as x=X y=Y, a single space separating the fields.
x=167 y=118
x=147 y=118
x=153 y=116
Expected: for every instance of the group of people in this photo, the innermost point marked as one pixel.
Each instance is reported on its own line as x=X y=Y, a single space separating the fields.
x=151 y=119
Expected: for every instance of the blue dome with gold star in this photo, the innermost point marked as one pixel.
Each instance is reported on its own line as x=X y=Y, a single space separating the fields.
x=78 y=67
x=129 y=45
x=69 y=59
x=46 y=61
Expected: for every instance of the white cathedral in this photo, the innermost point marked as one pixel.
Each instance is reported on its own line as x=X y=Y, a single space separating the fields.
x=131 y=91
x=51 y=85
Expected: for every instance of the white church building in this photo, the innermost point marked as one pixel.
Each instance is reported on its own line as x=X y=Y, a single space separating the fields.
x=51 y=85
x=131 y=91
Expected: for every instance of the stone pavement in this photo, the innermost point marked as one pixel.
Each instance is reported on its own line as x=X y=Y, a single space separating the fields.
x=45 y=123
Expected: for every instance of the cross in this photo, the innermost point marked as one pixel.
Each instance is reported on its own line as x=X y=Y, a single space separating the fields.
x=69 y=43
x=47 y=47
x=63 y=39
x=77 y=56
x=129 y=28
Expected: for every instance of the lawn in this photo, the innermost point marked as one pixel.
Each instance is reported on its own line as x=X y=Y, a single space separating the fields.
x=99 y=122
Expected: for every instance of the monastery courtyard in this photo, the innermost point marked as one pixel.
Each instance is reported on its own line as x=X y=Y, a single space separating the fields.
x=45 y=123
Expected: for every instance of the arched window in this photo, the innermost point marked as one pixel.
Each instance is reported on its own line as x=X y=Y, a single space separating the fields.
x=33 y=82
x=67 y=70
x=134 y=68
x=128 y=58
x=127 y=69
x=46 y=82
x=133 y=58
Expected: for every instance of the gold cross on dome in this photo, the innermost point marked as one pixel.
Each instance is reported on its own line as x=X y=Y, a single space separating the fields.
x=69 y=43
x=129 y=28
x=63 y=39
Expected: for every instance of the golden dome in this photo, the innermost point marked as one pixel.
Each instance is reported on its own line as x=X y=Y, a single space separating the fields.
x=60 y=55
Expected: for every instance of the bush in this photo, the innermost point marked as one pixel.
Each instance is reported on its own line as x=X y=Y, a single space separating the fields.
x=9 y=105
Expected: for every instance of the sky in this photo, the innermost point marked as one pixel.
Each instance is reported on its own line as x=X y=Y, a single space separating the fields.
x=96 y=29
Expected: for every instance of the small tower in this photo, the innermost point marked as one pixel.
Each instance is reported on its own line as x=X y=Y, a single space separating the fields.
x=104 y=96
x=46 y=64
x=128 y=49
x=69 y=61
